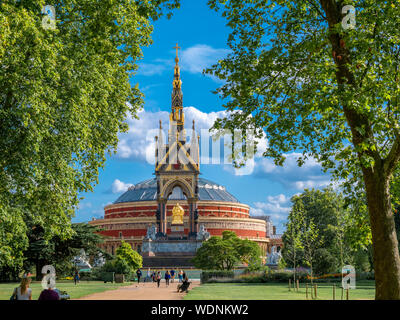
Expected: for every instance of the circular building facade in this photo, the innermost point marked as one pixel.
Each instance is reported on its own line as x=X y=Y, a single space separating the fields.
x=134 y=211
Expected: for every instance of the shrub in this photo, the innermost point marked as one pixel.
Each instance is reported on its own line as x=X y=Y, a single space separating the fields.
x=282 y=264
x=97 y=274
x=365 y=275
x=118 y=266
x=207 y=275
x=284 y=276
x=255 y=268
x=85 y=275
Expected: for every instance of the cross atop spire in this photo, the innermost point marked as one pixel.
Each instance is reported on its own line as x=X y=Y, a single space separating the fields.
x=176 y=48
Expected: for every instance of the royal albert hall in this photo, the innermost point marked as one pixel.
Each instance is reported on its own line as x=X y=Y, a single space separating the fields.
x=177 y=180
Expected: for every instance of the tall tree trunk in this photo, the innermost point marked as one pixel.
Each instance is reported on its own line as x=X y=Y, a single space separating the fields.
x=384 y=239
x=376 y=179
x=39 y=266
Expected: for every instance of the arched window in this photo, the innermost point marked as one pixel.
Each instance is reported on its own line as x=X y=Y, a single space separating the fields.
x=177 y=194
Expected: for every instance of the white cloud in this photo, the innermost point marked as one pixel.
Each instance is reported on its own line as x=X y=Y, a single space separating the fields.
x=138 y=143
x=119 y=186
x=310 y=175
x=193 y=59
x=150 y=69
x=201 y=56
x=139 y=140
x=277 y=207
x=279 y=204
x=84 y=205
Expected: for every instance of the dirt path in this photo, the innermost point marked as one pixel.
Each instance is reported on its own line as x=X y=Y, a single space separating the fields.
x=142 y=291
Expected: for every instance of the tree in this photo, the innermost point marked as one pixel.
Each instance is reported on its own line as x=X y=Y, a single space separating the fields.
x=324 y=261
x=311 y=241
x=12 y=243
x=292 y=236
x=327 y=91
x=216 y=254
x=118 y=266
x=342 y=225
x=133 y=259
x=64 y=96
x=225 y=253
x=57 y=251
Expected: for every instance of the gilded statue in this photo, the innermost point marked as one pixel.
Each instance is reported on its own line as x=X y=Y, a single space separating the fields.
x=177 y=214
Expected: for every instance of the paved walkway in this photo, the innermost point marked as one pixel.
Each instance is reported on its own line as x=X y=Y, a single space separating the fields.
x=142 y=291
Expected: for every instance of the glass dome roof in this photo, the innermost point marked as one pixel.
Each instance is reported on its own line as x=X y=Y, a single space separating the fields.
x=147 y=191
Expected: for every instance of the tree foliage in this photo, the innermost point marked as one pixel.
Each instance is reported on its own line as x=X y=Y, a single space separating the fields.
x=131 y=257
x=342 y=227
x=64 y=96
x=329 y=92
x=225 y=253
x=293 y=246
x=58 y=251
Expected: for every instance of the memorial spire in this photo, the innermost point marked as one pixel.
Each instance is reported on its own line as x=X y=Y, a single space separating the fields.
x=176 y=98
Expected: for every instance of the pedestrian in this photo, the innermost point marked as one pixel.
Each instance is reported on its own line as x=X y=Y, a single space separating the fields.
x=154 y=276
x=23 y=292
x=148 y=275
x=180 y=276
x=172 y=272
x=139 y=274
x=158 y=278
x=76 y=277
x=49 y=294
x=167 y=277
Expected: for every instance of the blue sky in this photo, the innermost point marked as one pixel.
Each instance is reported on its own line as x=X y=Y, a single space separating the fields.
x=201 y=34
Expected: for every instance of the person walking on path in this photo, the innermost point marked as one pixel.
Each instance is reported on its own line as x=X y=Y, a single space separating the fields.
x=148 y=277
x=180 y=276
x=158 y=278
x=76 y=277
x=167 y=277
x=172 y=272
x=23 y=292
x=139 y=274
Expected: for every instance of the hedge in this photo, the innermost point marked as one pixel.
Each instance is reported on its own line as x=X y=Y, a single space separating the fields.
x=210 y=275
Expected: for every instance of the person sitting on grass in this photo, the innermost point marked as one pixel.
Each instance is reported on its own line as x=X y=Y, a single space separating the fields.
x=49 y=294
x=184 y=286
x=23 y=292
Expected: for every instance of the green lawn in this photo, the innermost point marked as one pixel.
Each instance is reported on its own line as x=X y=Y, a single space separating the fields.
x=75 y=291
x=274 y=291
